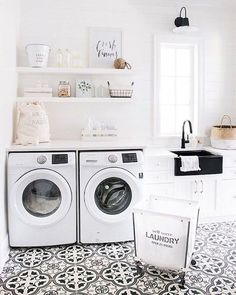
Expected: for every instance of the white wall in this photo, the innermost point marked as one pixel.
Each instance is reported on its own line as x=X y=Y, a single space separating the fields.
x=8 y=19
x=65 y=23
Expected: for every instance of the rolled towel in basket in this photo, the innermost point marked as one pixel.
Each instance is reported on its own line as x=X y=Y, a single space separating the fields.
x=189 y=163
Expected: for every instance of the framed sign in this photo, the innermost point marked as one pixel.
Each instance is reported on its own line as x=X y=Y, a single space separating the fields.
x=105 y=45
x=83 y=88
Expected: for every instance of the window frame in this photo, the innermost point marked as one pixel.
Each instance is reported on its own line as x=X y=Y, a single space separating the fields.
x=198 y=100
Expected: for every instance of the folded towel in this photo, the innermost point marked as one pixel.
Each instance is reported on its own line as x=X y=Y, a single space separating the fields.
x=189 y=163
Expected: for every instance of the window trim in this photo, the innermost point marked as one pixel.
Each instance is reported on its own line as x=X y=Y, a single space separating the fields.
x=199 y=89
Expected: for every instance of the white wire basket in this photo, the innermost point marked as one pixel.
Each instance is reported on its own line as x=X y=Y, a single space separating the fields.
x=120 y=93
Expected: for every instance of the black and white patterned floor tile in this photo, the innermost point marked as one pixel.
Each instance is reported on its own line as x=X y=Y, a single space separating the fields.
x=110 y=269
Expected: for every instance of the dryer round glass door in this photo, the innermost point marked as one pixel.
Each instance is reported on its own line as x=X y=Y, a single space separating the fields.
x=41 y=197
x=111 y=194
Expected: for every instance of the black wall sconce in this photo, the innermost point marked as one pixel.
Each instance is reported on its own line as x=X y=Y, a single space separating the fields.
x=182 y=23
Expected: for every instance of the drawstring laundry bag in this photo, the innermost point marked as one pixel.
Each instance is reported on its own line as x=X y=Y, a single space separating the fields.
x=32 y=126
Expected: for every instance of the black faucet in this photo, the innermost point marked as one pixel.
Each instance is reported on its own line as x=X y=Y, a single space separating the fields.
x=183 y=140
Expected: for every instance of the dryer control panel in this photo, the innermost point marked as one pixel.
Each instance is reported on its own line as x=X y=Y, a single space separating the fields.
x=59 y=158
x=126 y=158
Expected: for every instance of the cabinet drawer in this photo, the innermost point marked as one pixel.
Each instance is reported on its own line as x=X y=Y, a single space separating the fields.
x=162 y=190
x=158 y=177
x=229 y=173
x=158 y=163
x=229 y=161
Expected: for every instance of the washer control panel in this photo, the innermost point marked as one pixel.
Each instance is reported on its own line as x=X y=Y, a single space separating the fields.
x=42 y=159
x=112 y=158
x=129 y=158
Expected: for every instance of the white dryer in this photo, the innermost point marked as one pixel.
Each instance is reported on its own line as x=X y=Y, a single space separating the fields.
x=41 y=198
x=111 y=183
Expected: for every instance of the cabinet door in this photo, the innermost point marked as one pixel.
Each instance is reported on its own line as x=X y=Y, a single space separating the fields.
x=203 y=191
x=186 y=189
x=226 y=198
x=207 y=197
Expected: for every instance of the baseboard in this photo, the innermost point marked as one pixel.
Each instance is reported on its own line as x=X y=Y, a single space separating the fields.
x=4 y=252
x=215 y=219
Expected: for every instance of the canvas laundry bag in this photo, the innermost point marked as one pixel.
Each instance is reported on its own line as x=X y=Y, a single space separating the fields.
x=32 y=124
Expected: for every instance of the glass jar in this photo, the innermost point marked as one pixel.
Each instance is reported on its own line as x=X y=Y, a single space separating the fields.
x=64 y=89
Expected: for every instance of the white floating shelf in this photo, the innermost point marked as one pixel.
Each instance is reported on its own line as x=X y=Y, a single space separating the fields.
x=73 y=71
x=73 y=99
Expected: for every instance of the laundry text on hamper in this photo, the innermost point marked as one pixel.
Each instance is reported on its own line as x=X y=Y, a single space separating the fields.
x=162 y=238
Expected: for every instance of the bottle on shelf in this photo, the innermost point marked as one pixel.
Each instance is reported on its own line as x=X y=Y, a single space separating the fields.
x=59 y=58
x=67 y=58
x=76 y=63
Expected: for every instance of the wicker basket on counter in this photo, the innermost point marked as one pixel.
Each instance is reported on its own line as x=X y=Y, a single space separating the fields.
x=224 y=136
x=120 y=93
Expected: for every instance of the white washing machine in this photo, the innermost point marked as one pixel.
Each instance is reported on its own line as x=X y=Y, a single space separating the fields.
x=111 y=182
x=41 y=198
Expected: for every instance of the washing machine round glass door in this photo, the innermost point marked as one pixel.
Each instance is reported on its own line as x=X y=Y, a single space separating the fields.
x=42 y=197
x=111 y=194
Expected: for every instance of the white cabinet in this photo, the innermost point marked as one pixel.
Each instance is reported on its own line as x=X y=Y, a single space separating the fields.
x=226 y=192
x=207 y=197
x=197 y=189
x=159 y=176
x=216 y=193
x=226 y=197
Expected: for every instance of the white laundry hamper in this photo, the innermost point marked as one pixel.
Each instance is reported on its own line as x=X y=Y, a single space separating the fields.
x=164 y=232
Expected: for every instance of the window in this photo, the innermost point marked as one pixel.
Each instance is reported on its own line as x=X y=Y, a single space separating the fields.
x=177 y=91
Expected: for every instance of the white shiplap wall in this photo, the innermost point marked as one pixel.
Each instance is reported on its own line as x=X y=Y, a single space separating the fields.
x=8 y=23
x=65 y=23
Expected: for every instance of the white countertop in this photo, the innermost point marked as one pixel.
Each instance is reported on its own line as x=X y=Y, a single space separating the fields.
x=78 y=145
x=149 y=149
x=159 y=152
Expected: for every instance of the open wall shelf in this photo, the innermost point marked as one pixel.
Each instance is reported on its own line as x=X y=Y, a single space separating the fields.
x=73 y=71
x=73 y=99
x=28 y=71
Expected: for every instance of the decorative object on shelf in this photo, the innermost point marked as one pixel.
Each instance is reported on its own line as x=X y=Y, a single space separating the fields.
x=120 y=92
x=32 y=124
x=75 y=59
x=99 y=91
x=64 y=89
x=105 y=45
x=39 y=90
x=83 y=88
x=182 y=24
x=120 y=63
x=96 y=130
x=224 y=136
x=38 y=55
